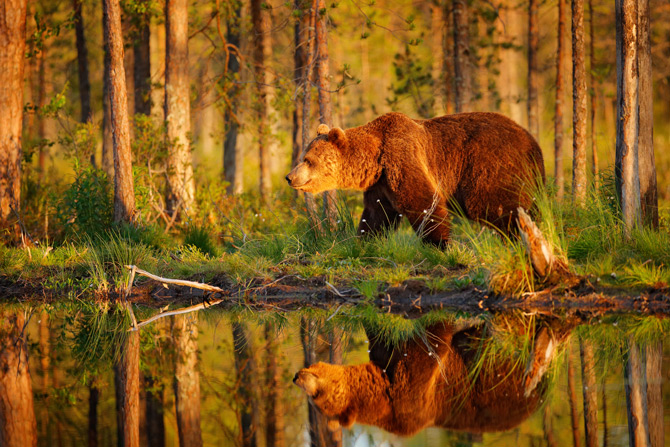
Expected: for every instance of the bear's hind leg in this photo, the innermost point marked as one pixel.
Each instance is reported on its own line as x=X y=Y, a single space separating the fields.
x=434 y=228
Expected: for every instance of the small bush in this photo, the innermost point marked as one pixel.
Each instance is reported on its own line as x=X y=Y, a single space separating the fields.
x=86 y=208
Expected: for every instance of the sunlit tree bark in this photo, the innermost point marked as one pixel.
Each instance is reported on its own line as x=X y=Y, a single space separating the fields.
x=127 y=385
x=18 y=427
x=124 y=195
x=187 y=380
x=180 y=192
x=592 y=95
x=298 y=69
x=107 y=158
x=325 y=104
x=578 y=104
x=560 y=97
x=12 y=57
x=647 y=167
x=627 y=166
x=533 y=42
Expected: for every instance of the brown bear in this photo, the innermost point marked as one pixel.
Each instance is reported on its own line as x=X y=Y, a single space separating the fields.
x=436 y=380
x=480 y=164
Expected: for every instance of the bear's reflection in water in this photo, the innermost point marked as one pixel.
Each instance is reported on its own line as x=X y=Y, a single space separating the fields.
x=438 y=379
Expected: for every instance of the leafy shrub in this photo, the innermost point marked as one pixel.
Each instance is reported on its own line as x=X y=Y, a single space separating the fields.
x=86 y=207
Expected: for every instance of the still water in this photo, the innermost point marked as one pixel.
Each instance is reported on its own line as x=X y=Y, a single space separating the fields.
x=218 y=378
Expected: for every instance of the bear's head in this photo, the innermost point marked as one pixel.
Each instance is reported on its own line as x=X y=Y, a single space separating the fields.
x=328 y=388
x=320 y=169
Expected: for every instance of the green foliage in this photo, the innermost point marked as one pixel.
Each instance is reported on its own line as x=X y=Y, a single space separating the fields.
x=86 y=208
x=200 y=237
x=413 y=80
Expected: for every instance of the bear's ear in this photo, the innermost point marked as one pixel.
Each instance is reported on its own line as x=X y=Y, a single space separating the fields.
x=323 y=129
x=336 y=136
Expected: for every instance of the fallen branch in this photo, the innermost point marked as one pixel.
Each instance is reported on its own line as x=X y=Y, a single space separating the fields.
x=165 y=281
x=177 y=282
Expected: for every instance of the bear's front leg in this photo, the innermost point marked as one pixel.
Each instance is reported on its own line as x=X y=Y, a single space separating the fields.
x=432 y=226
x=379 y=215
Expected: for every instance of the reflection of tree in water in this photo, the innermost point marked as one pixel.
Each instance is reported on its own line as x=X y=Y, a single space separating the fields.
x=187 y=380
x=17 y=416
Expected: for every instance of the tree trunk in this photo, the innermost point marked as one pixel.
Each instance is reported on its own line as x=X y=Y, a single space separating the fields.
x=43 y=94
x=124 y=195
x=325 y=105
x=603 y=397
x=626 y=167
x=142 y=63
x=260 y=18
x=654 y=354
x=45 y=366
x=572 y=397
x=547 y=427
x=245 y=366
x=560 y=96
x=578 y=104
x=590 y=393
x=592 y=94
x=93 y=399
x=107 y=158
x=636 y=396
x=154 y=413
x=437 y=30
x=180 y=191
x=462 y=75
x=298 y=70
x=187 y=380
x=533 y=42
x=12 y=57
x=647 y=167
x=307 y=27
x=82 y=63
x=18 y=427
x=232 y=155
x=127 y=384
x=447 y=60
x=274 y=415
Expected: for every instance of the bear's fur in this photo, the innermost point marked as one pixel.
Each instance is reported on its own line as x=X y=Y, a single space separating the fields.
x=482 y=164
x=438 y=380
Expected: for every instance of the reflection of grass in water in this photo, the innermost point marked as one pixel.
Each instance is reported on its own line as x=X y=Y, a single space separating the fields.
x=98 y=334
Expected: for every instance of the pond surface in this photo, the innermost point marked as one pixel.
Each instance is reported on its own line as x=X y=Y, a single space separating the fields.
x=227 y=379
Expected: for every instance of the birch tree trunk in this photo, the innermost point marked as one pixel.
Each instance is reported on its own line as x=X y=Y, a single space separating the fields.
x=627 y=167
x=187 y=380
x=232 y=155
x=325 y=105
x=560 y=96
x=12 y=57
x=578 y=104
x=180 y=192
x=462 y=69
x=127 y=384
x=589 y=391
x=124 y=195
x=647 y=167
x=533 y=38
x=18 y=427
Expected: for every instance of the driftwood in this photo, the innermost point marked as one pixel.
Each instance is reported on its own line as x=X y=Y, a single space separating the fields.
x=548 y=267
x=165 y=281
